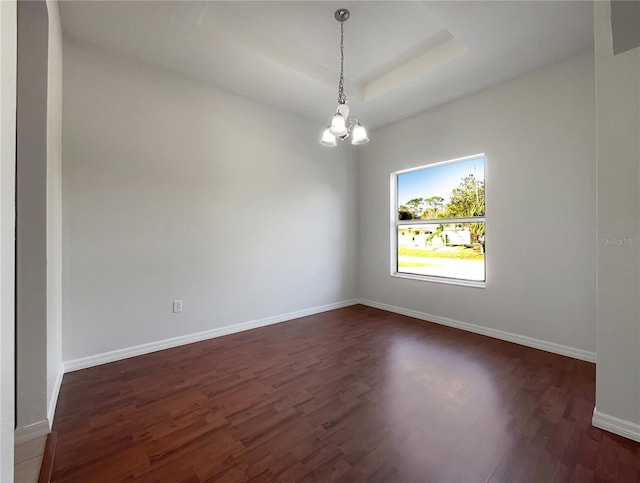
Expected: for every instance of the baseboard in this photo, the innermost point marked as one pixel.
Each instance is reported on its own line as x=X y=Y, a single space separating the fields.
x=116 y=355
x=495 y=333
x=31 y=431
x=615 y=425
x=51 y=410
x=41 y=428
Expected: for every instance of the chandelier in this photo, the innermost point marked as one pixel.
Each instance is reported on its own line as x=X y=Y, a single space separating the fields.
x=341 y=124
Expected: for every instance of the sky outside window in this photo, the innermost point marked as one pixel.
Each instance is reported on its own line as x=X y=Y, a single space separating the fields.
x=437 y=181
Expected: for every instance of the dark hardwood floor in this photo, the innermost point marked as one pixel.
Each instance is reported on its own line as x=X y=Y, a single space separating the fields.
x=355 y=394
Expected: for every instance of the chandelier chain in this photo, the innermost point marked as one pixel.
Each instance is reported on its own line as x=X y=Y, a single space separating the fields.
x=342 y=99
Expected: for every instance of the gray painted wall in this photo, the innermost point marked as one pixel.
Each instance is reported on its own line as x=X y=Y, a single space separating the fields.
x=618 y=167
x=8 y=57
x=54 y=209
x=175 y=190
x=31 y=186
x=538 y=135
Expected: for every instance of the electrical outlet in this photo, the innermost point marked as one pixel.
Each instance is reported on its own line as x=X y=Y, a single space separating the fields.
x=177 y=306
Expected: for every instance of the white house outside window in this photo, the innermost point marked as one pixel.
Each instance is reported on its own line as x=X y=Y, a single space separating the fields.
x=439 y=222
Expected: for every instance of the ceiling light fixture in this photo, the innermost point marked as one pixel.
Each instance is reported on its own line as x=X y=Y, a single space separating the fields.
x=341 y=124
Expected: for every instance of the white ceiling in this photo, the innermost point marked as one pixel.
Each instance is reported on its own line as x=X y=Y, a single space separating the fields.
x=401 y=57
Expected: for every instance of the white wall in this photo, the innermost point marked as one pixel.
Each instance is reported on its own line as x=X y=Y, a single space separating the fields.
x=618 y=170
x=39 y=228
x=54 y=209
x=538 y=135
x=8 y=54
x=174 y=190
x=31 y=186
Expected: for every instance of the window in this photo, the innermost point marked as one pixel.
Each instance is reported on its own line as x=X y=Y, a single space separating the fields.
x=438 y=229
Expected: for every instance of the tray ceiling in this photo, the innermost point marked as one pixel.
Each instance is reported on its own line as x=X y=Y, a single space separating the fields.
x=400 y=57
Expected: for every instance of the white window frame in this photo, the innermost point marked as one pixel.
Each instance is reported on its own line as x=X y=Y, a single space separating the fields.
x=396 y=223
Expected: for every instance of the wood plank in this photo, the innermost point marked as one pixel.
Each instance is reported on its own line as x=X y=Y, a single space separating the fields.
x=355 y=394
x=46 y=467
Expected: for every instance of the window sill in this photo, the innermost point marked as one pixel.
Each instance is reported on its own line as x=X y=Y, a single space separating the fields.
x=447 y=281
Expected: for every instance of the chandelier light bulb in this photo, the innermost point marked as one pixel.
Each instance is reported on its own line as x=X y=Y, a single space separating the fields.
x=328 y=139
x=338 y=125
x=359 y=134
